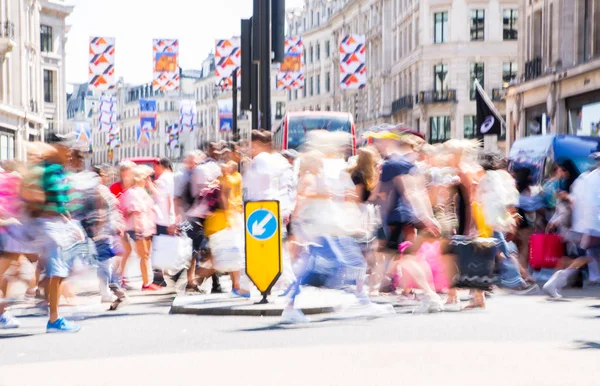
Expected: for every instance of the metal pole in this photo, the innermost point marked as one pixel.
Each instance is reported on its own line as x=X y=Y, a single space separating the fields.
x=234 y=108
x=254 y=96
x=265 y=64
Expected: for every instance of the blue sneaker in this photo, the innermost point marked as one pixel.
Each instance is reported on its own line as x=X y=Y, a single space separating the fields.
x=245 y=295
x=61 y=325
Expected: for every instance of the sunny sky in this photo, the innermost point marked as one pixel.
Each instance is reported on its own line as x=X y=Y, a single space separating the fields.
x=134 y=23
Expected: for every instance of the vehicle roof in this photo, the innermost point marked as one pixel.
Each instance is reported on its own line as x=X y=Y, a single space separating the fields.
x=142 y=159
x=318 y=113
x=556 y=146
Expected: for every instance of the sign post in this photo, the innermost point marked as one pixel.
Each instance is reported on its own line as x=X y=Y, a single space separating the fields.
x=263 y=244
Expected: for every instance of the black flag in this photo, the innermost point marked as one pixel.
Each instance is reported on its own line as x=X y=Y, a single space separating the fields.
x=488 y=122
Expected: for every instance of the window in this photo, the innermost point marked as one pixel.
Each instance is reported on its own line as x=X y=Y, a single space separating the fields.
x=510 y=24
x=310 y=53
x=318 y=49
x=439 y=129
x=46 y=38
x=509 y=73
x=440 y=32
x=304 y=91
x=477 y=72
x=310 y=85
x=440 y=80
x=328 y=82
x=304 y=56
x=295 y=94
x=327 y=49
x=289 y=95
x=477 y=24
x=48 y=86
x=279 y=110
x=470 y=127
x=318 y=84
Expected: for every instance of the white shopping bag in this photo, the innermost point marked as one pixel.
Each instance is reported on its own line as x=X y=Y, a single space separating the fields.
x=227 y=248
x=171 y=253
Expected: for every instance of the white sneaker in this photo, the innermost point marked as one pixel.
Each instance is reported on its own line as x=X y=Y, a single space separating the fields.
x=553 y=284
x=8 y=321
x=293 y=316
x=407 y=300
x=453 y=307
x=373 y=310
x=429 y=306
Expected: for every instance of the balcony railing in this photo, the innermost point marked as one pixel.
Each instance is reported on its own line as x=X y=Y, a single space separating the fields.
x=496 y=94
x=430 y=97
x=405 y=102
x=533 y=69
x=8 y=30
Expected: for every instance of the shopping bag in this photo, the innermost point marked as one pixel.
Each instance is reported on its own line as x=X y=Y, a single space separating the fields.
x=545 y=250
x=475 y=262
x=227 y=248
x=429 y=256
x=171 y=253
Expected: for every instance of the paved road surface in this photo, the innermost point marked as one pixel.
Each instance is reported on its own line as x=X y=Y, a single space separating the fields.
x=517 y=341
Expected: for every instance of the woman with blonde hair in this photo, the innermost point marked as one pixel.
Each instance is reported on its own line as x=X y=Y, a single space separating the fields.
x=365 y=174
x=138 y=210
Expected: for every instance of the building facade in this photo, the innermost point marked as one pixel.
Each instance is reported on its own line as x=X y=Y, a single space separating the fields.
x=208 y=95
x=422 y=60
x=32 y=72
x=558 y=90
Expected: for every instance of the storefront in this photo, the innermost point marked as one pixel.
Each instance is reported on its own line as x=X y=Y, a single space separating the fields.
x=584 y=114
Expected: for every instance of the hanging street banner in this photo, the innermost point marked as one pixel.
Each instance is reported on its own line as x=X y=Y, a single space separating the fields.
x=101 y=66
x=353 y=69
x=107 y=113
x=148 y=120
x=291 y=73
x=114 y=139
x=142 y=137
x=173 y=136
x=228 y=58
x=165 y=57
x=225 y=115
x=187 y=115
x=263 y=243
x=83 y=135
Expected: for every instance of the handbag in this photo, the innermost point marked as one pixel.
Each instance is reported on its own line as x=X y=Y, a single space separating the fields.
x=545 y=250
x=475 y=262
x=171 y=253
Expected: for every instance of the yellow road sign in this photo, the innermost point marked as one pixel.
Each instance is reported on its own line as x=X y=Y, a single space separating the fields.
x=263 y=243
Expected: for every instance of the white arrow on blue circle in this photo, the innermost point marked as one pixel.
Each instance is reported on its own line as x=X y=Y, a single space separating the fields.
x=258 y=228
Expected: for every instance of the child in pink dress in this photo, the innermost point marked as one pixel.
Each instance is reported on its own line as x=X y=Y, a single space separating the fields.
x=138 y=209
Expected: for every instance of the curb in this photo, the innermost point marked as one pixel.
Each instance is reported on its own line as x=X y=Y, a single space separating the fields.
x=242 y=311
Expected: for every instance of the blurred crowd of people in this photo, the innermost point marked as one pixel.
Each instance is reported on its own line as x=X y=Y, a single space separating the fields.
x=402 y=217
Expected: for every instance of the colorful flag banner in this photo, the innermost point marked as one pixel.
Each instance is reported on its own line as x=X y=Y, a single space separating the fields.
x=83 y=135
x=225 y=108
x=187 y=115
x=142 y=136
x=165 y=54
x=228 y=58
x=114 y=139
x=148 y=120
x=101 y=66
x=353 y=69
x=173 y=136
x=291 y=74
x=107 y=113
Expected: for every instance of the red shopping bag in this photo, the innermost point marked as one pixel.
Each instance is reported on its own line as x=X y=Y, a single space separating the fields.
x=545 y=250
